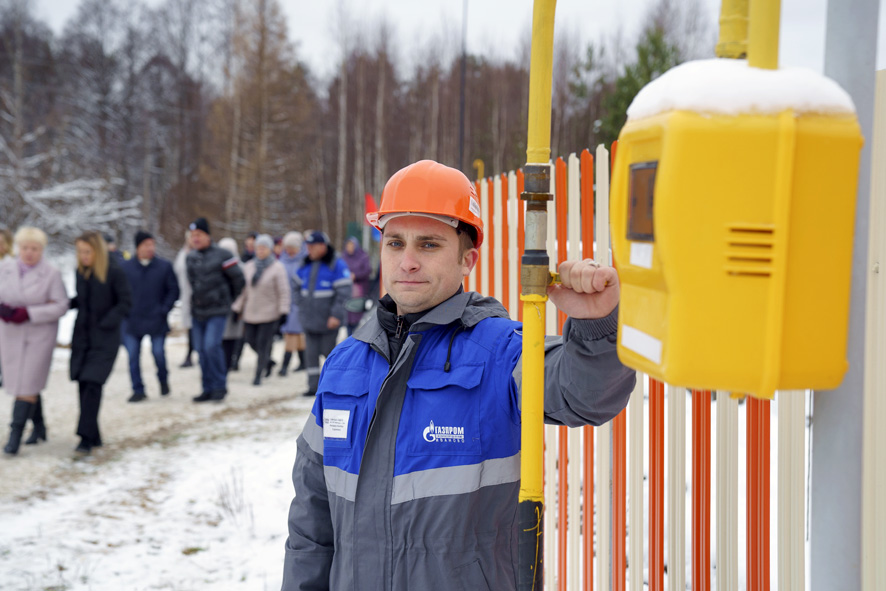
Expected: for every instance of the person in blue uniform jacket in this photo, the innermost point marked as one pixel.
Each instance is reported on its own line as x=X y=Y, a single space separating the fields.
x=408 y=469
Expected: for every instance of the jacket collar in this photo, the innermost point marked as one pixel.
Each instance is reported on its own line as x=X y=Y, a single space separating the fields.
x=468 y=307
x=39 y=270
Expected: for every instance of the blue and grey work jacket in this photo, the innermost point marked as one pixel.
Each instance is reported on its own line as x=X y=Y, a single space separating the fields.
x=408 y=469
x=320 y=290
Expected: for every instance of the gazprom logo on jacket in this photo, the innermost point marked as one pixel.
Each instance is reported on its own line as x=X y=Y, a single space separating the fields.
x=436 y=433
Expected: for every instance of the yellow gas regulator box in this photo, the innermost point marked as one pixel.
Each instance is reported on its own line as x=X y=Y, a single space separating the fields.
x=733 y=203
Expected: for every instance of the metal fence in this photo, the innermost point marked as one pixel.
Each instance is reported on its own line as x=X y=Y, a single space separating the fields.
x=623 y=511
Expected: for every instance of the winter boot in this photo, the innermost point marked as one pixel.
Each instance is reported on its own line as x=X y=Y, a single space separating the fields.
x=269 y=367
x=302 y=364
x=21 y=412
x=284 y=367
x=204 y=397
x=39 y=431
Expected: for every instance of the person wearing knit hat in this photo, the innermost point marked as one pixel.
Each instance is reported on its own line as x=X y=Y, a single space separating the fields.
x=200 y=224
x=292 y=256
x=140 y=237
x=264 y=302
x=264 y=240
x=154 y=292
x=216 y=281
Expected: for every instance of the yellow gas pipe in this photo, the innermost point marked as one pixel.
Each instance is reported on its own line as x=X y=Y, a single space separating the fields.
x=763 y=36
x=750 y=29
x=733 y=42
x=534 y=278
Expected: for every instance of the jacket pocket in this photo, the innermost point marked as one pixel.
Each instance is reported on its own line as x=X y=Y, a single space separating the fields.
x=443 y=410
x=343 y=394
x=470 y=577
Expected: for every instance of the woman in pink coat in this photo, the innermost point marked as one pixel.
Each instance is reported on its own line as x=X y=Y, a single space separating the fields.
x=32 y=299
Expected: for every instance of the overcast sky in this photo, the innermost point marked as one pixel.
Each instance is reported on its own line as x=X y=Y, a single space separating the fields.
x=495 y=26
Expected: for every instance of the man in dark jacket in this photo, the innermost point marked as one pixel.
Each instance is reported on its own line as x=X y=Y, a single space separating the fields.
x=321 y=286
x=408 y=468
x=154 y=291
x=216 y=281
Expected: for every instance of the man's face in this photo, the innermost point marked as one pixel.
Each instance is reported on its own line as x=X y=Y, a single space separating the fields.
x=250 y=244
x=317 y=251
x=420 y=262
x=146 y=249
x=199 y=239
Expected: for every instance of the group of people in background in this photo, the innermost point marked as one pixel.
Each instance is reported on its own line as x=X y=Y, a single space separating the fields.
x=296 y=286
x=32 y=300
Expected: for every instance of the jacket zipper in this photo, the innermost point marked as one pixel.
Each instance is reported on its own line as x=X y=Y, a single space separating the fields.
x=393 y=362
x=372 y=422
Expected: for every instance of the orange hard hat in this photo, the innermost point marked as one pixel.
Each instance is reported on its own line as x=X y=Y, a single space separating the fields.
x=430 y=189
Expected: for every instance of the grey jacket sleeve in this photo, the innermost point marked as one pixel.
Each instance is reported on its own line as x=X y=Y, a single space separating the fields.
x=585 y=383
x=310 y=546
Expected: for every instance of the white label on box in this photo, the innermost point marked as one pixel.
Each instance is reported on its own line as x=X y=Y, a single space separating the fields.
x=639 y=342
x=641 y=254
x=335 y=423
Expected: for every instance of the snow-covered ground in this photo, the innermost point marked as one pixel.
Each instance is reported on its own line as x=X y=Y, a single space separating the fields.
x=182 y=496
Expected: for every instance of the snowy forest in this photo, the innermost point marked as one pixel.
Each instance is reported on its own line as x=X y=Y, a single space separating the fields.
x=149 y=115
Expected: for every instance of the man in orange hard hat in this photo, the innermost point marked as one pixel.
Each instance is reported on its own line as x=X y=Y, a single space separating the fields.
x=408 y=469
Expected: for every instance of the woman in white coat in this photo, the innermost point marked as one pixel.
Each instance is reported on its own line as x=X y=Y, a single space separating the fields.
x=32 y=299
x=184 y=296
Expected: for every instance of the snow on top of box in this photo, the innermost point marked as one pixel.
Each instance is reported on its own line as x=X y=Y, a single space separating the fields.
x=731 y=87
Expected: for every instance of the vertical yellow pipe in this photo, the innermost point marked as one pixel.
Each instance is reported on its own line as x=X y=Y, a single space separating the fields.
x=534 y=278
x=532 y=408
x=763 y=37
x=538 y=146
x=733 y=42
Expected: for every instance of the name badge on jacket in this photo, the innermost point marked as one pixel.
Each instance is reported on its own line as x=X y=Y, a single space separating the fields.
x=335 y=423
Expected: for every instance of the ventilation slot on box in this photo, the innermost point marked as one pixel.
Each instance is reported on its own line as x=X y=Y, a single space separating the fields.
x=749 y=250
